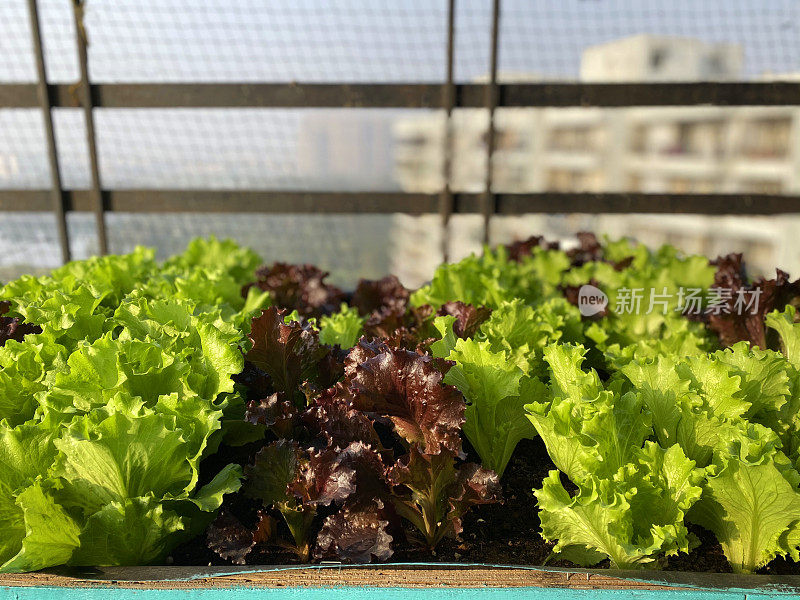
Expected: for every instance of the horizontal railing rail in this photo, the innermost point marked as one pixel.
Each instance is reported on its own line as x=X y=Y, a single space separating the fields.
x=287 y=202
x=403 y=95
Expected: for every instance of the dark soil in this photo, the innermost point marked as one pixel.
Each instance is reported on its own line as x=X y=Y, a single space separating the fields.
x=505 y=533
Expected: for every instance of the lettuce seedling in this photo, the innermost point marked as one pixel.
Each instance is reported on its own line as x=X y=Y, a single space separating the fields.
x=433 y=493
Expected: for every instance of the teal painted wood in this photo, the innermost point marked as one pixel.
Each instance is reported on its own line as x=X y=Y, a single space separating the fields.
x=369 y=593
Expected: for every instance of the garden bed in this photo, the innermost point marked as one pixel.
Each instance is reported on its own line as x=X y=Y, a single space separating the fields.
x=500 y=534
x=203 y=413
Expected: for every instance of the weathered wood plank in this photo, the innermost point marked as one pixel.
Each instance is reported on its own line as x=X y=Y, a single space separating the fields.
x=396 y=576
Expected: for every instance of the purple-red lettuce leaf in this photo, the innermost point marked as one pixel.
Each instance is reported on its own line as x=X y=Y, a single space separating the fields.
x=517 y=250
x=275 y=413
x=587 y=250
x=407 y=388
x=468 y=317
x=299 y=287
x=228 y=538
x=355 y=536
x=387 y=296
x=275 y=468
x=289 y=353
x=333 y=420
x=735 y=323
x=13 y=328
x=355 y=474
x=296 y=482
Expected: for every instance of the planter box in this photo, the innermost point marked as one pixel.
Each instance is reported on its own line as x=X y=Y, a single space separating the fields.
x=389 y=582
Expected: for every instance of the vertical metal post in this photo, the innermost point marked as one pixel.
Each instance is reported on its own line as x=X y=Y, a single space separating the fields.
x=488 y=204
x=88 y=117
x=448 y=101
x=57 y=191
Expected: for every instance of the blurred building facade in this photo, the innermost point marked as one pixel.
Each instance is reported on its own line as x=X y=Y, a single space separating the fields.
x=640 y=149
x=660 y=58
x=689 y=149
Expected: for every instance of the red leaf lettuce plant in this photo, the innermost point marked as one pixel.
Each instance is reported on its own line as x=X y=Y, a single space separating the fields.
x=350 y=462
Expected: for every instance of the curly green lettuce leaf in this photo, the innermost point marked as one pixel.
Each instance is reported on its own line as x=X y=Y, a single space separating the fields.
x=206 y=342
x=524 y=331
x=111 y=459
x=631 y=518
x=212 y=254
x=106 y=278
x=50 y=534
x=66 y=315
x=115 y=403
x=493 y=278
x=341 y=328
x=26 y=453
x=752 y=510
x=676 y=336
x=27 y=369
x=665 y=273
x=765 y=379
x=789 y=332
x=588 y=430
x=664 y=393
x=133 y=531
x=116 y=275
x=496 y=391
x=701 y=403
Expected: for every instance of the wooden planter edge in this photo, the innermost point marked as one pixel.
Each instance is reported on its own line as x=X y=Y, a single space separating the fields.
x=382 y=579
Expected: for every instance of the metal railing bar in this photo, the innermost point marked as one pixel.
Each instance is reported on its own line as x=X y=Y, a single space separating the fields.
x=57 y=195
x=448 y=102
x=288 y=202
x=488 y=204
x=231 y=201
x=639 y=202
x=407 y=95
x=717 y=93
x=88 y=115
